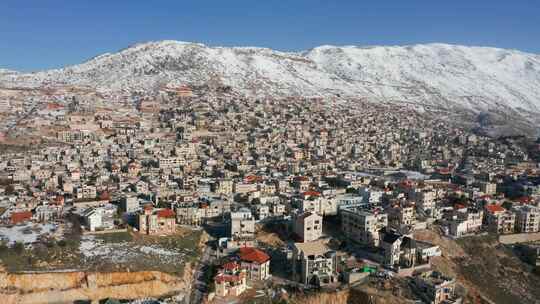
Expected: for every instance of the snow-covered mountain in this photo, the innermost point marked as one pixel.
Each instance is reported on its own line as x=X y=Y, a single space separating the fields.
x=6 y=72
x=476 y=78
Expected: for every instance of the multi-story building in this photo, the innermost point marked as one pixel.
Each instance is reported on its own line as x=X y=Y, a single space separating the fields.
x=256 y=263
x=362 y=225
x=129 y=203
x=425 y=202
x=499 y=220
x=435 y=288
x=156 y=221
x=86 y=191
x=308 y=226
x=399 y=250
x=225 y=186
x=242 y=224
x=402 y=215
x=196 y=214
x=527 y=218
x=314 y=263
x=231 y=280
x=488 y=188
x=99 y=218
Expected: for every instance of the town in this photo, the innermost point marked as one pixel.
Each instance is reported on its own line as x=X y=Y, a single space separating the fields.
x=294 y=195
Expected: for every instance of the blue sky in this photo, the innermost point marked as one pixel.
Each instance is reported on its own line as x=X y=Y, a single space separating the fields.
x=41 y=34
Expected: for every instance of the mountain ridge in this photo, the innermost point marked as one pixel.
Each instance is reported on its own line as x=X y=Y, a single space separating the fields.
x=438 y=74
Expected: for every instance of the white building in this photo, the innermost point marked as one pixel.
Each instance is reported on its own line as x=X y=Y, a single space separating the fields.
x=314 y=263
x=362 y=225
x=308 y=226
x=242 y=224
x=527 y=218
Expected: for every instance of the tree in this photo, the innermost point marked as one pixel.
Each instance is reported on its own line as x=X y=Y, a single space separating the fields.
x=18 y=247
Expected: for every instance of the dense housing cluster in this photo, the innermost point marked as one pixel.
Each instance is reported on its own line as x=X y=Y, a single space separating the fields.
x=344 y=179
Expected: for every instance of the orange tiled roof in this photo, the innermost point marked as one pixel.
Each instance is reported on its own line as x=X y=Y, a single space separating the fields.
x=251 y=254
x=493 y=208
x=312 y=193
x=18 y=217
x=165 y=213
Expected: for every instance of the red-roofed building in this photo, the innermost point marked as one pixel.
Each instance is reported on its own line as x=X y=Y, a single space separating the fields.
x=499 y=220
x=256 y=262
x=311 y=193
x=157 y=222
x=231 y=280
x=20 y=217
x=494 y=208
x=165 y=213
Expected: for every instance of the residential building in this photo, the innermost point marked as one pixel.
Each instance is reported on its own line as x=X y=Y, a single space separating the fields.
x=527 y=218
x=156 y=221
x=308 y=226
x=256 y=263
x=363 y=225
x=231 y=280
x=242 y=224
x=435 y=288
x=499 y=220
x=314 y=263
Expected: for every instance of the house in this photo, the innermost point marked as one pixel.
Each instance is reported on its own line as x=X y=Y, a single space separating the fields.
x=157 y=221
x=399 y=250
x=527 y=218
x=499 y=220
x=256 y=263
x=314 y=263
x=129 y=203
x=231 y=280
x=261 y=211
x=20 y=217
x=242 y=224
x=363 y=225
x=488 y=188
x=465 y=223
x=45 y=213
x=92 y=218
x=99 y=218
x=435 y=288
x=425 y=251
x=308 y=226
x=86 y=192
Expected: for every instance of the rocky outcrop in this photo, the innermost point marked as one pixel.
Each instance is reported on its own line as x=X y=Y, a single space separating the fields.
x=66 y=287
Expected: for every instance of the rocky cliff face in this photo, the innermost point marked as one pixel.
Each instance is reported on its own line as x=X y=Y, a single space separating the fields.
x=66 y=287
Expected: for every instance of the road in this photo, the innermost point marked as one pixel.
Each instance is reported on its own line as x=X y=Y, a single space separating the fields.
x=199 y=287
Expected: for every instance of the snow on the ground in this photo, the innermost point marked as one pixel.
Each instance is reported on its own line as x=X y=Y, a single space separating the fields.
x=414 y=174
x=92 y=248
x=476 y=78
x=26 y=233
